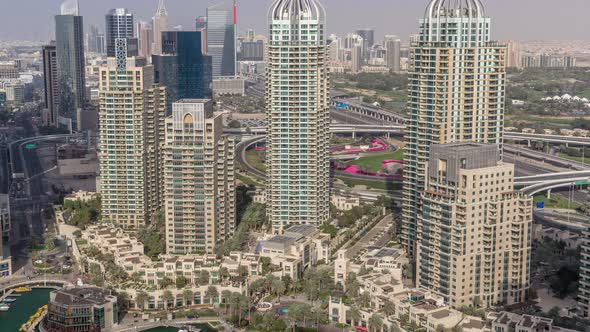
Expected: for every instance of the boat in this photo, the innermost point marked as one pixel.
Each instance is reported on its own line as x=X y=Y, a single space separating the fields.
x=4 y=307
x=23 y=289
x=183 y=329
x=9 y=300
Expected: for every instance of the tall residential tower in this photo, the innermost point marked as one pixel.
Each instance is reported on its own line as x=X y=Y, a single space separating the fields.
x=199 y=179
x=457 y=80
x=132 y=113
x=297 y=111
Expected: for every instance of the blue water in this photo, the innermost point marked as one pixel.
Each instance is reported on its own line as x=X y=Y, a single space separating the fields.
x=25 y=306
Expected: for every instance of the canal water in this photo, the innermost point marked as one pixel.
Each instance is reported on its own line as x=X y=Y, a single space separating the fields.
x=25 y=306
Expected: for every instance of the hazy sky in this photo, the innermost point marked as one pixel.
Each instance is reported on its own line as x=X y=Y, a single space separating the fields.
x=512 y=19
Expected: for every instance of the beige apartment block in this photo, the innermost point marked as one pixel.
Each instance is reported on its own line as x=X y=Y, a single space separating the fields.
x=474 y=229
x=131 y=116
x=199 y=179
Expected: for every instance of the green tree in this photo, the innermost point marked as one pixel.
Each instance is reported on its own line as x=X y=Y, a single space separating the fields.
x=278 y=288
x=364 y=300
x=388 y=308
x=188 y=296
x=181 y=282
x=355 y=315
x=212 y=293
x=167 y=297
x=166 y=282
x=375 y=322
x=140 y=299
x=204 y=277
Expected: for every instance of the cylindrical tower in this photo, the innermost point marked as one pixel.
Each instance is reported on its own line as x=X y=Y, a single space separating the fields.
x=297 y=109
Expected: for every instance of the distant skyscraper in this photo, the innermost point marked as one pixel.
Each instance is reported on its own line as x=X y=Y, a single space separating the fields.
x=119 y=25
x=474 y=240
x=252 y=51
x=100 y=43
x=201 y=26
x=71 y=63
x=132 y=113
x=198 y=179
x=393 y=47
x=51 y=84
x=458 y=95
x=144 y=34
x=513 y=54
x=368 y=36
x=298 y=116
x=160 y=25
x=356 y=58
x=91 y=37
x=221 y=38
x=182 y=67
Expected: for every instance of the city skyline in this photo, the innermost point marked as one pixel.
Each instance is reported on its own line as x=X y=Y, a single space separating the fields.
x=568 y=21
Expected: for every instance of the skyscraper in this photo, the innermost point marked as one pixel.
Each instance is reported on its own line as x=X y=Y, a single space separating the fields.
x=119 y=25
x=51 y=85
x=182 y=68
x=199 y=179
x=222 y=23
x=356 y=58
x=393 y=47
x=584 y=281
x=297 y=112
x=368 y=35
x=71 y=63
x=160 y=25
x=456 y=93
x=201 y=26
x=474 y=240
x=91 y=39
x=144 y=35
x=132 y=113
x=513 y=54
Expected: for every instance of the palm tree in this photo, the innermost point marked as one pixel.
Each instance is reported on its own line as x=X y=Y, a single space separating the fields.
x=242 y=270
x=375 y=323
x=223 y=273
x=388 y=308
x=167 y=297
x=140 y=298
x=225 y=295
x=355 y=315
x=365 y=300
x=187 y=296
x=212 y=293
x=278 y=288
x=342 y=326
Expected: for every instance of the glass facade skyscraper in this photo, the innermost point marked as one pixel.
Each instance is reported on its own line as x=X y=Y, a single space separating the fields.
x=71 y=64
x=297 y=112
x=221 y=38
x=119 y=25
x=182 y=67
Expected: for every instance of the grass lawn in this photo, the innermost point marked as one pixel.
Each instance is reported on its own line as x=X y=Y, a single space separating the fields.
x=552 y=120
x=374 y=162
x=256 y=159
x=248 y=180
x=377 y=184
x=585 y=160
x=557 y=202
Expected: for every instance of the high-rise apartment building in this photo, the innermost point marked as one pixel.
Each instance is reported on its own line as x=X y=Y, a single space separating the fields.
x=584 y=280
x=5 y=258
x=222 y=23
x=132 y=114
x=252 y=51
x=160 y=25
x=145 y=36
x=457 y=80
x=71 y=62
x=393 y=47
x=119 y=26
x=51 y=85
x=474 y=229
x=199 y=179
x=182 y=68
x=298 y=117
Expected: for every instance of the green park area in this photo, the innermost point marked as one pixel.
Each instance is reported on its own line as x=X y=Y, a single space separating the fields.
x=373 y=163
x=256 y=159
x=557 y=202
